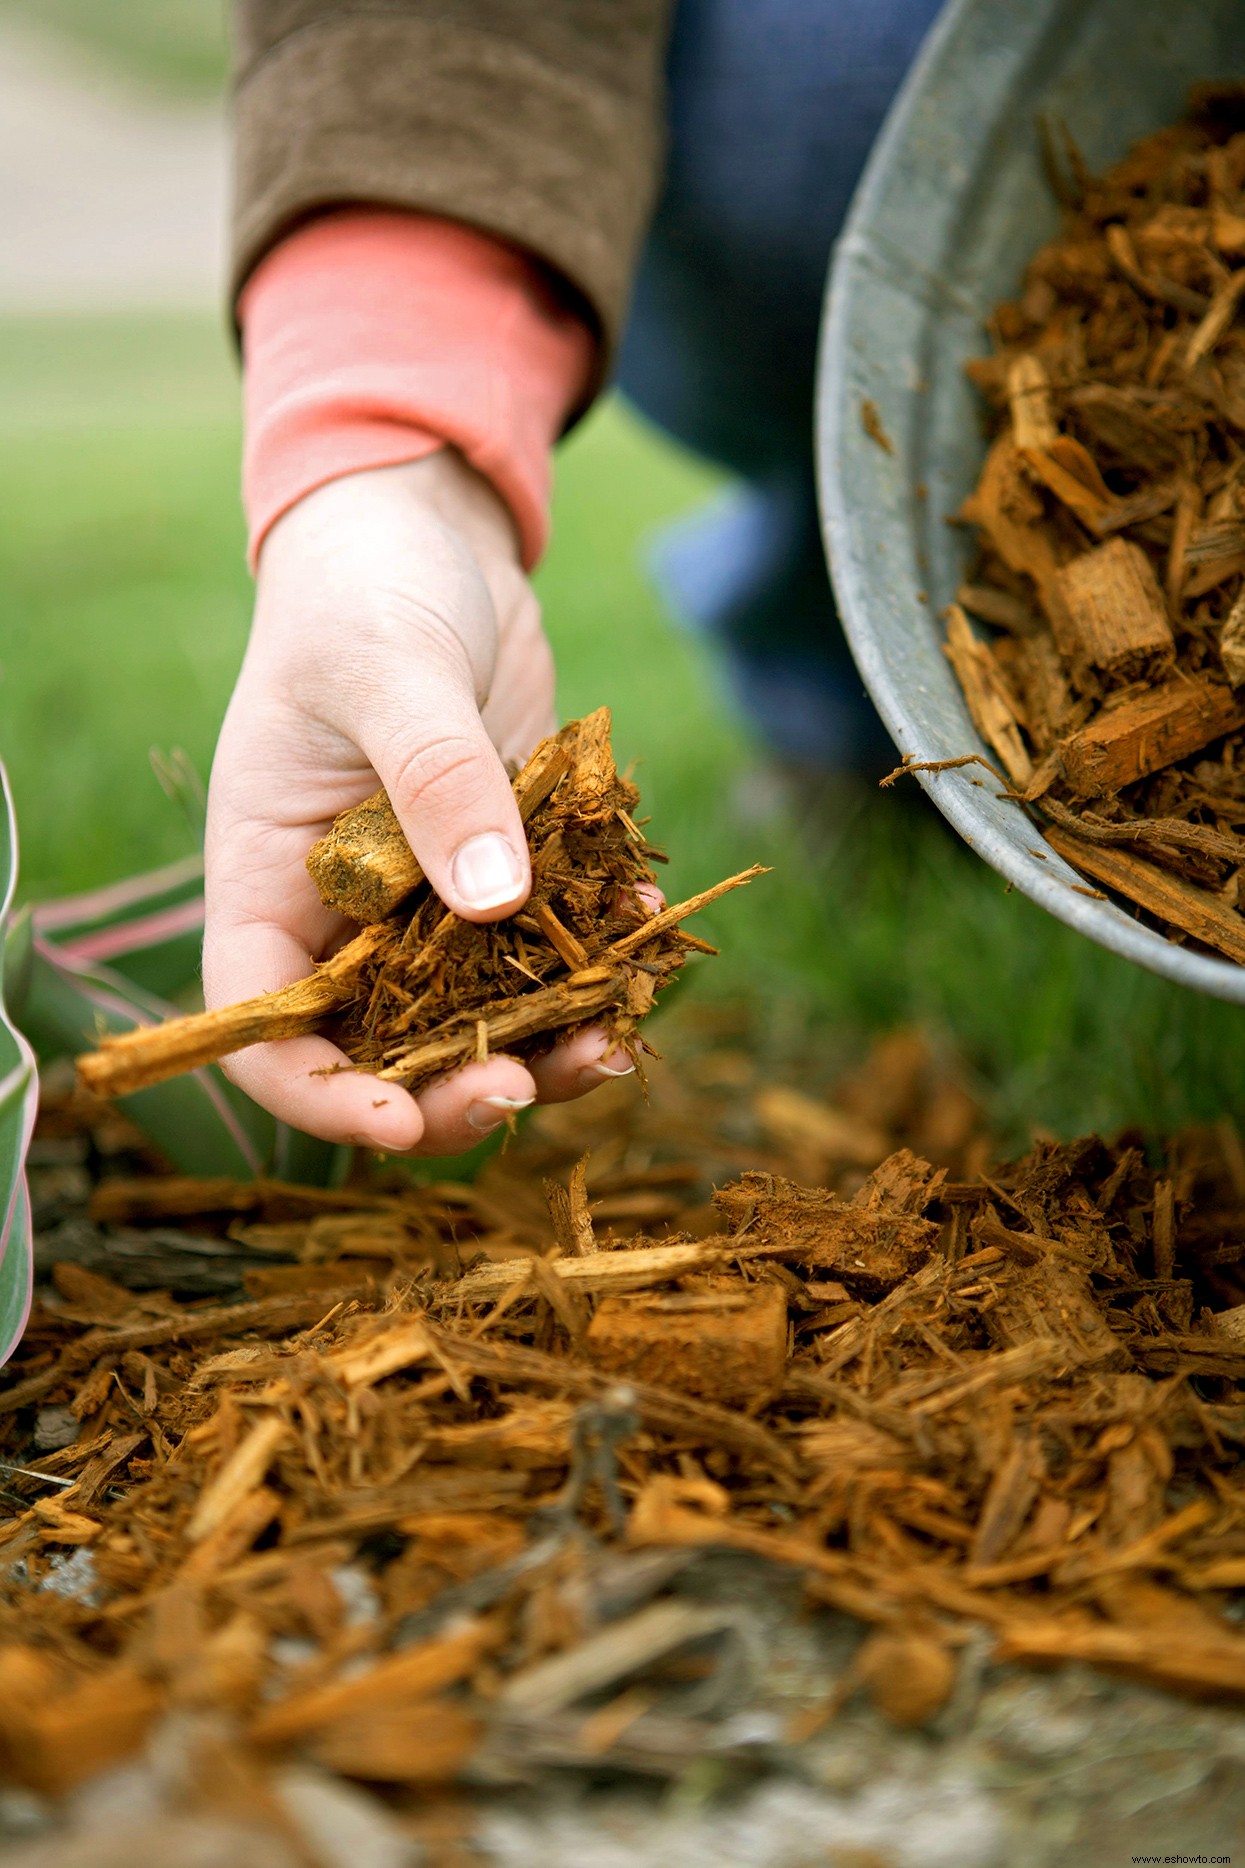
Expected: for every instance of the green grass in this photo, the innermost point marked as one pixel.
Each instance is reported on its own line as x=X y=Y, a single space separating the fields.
x=127 y=600
x=177 y=45
x=124 y=584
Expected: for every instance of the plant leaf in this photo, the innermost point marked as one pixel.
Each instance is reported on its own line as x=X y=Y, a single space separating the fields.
x=19 y=1095
x=19 y=1098
x=65 y=995
x=85 y=965
x=148 y=927
x=199 y=1121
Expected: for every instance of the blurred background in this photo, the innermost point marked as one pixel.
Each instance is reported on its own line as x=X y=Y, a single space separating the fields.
x=126 y=601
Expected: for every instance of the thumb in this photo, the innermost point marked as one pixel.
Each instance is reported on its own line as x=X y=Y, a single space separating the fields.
x=450 y=791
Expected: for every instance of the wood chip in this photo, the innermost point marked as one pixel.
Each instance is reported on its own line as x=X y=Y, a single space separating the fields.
x=729 y=1346
x=1178 y=904
x=992 y=706
x=1112 y=618
x=1118 y=393
x=1142 y=733
x=240 y=1475
x=392 y=1533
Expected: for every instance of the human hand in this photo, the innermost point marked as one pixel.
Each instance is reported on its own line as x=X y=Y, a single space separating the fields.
x=397 y=639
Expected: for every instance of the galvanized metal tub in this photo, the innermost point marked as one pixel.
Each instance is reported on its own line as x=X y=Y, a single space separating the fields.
x=952 y=204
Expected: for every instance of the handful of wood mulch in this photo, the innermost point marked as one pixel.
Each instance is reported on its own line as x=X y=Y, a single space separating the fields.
x=419 y=992
x=411 y=1501
x=1111 y=515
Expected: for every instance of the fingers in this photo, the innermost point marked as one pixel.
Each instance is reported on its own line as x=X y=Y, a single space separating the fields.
x=459 y=1111
x=579 y=1064
x=307 y=1082
x=313 y=1086
x=590 y=1057
x=310 y=1084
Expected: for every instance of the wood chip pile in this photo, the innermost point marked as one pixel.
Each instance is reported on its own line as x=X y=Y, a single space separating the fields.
x=1111 y=516
x=409 y=1503
x=419 y=992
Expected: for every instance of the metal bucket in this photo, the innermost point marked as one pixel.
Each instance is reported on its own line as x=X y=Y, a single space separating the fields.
x=952 y=205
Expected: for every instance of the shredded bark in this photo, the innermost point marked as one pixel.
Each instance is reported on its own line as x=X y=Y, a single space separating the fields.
x=1107 y=669
x=419 y=992
x=951 y=1396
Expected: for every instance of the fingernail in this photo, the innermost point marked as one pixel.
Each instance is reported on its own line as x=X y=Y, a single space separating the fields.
x=486 y=871
x=591 y=1074
x=491 y=1111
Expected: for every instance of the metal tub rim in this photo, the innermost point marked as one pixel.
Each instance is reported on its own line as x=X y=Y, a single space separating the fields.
x=869 y=497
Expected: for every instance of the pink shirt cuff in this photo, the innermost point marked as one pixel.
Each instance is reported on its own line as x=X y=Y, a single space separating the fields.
x=372 y=337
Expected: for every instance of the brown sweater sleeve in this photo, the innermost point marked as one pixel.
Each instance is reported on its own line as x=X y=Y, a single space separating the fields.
x=539 y=121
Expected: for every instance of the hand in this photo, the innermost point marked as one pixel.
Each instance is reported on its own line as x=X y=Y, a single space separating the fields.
x=396 y=639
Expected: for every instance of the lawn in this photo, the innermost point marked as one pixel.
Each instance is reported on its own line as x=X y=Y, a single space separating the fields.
x=178 y=45
x=127 y=598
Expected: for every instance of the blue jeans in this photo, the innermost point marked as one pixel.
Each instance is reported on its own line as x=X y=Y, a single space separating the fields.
x=773 y=108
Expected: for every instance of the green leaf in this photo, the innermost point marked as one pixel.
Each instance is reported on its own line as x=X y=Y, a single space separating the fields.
x=199 y=1120
x=17 y=1120
x=148 y=928
x=19 y=1091
x=81 y=967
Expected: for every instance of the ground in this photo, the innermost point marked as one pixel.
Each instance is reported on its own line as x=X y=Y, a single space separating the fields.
x=1021 y=1770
